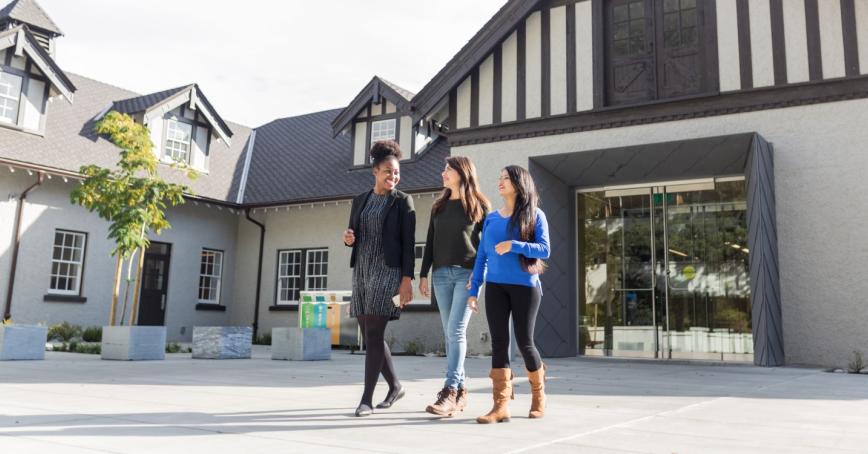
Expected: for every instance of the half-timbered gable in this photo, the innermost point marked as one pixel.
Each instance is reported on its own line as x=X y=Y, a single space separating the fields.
x=572 y=64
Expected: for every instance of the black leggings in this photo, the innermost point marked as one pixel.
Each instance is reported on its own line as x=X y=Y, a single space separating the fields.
x=378 y=358
x=522 y=302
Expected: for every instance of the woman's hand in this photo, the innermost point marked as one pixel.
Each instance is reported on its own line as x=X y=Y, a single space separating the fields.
x=472 y=303
x=469 y=281
x=349 y=237
x=503 y=247
x=406 y=291
x=423 y=287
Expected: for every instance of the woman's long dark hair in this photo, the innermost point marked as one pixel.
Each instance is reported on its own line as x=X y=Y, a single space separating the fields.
x=475 y=204
x=524 y=214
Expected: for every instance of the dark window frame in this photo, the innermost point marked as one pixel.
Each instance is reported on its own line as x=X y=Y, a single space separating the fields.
x=26 y=76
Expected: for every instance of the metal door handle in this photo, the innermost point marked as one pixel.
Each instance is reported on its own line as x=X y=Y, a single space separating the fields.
x=163 y=302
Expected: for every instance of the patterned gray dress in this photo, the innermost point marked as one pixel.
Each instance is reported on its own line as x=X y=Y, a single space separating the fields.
x=374 y=282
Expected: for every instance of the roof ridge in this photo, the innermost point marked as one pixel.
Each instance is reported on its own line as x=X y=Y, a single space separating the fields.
x=336 y=109
x=135 y=93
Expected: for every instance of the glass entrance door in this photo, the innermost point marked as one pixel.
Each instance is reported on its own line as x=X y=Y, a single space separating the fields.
x=663 y=272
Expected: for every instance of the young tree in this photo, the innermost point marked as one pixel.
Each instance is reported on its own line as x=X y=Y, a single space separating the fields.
x=133 y=198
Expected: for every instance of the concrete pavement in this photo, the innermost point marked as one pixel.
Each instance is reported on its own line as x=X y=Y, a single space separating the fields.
x=72 y=403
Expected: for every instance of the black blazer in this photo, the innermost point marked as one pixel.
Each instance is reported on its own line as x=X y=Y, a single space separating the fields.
x=399 y=230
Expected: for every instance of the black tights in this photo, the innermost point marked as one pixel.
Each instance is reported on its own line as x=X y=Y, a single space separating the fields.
x=378 y=358
x=523 y=303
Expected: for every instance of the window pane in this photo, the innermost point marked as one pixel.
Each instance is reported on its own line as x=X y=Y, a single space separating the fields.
x=10 y=95
x=637 y=9
x=670 y=5
x=620 y=13
x=622 y=30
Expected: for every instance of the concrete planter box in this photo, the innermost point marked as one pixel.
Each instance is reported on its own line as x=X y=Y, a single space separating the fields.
x=22 y=342
x=301 y=344
x=134 y=343
x=222 y=342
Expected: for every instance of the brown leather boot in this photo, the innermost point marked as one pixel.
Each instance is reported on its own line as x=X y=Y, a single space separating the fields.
x=446 y=404
x=537 y=381
x=461 y=401
x=501 y=384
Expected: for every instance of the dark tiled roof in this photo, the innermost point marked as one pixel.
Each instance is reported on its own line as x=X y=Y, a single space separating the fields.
x=145 y=102
x=298 y=159
x=142 y=103
x=69 y=142
x=29 y=12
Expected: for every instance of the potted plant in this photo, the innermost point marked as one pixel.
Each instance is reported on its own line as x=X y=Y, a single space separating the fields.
x=133 y=199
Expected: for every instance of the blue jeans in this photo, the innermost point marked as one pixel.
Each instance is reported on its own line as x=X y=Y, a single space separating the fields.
x=450 y=289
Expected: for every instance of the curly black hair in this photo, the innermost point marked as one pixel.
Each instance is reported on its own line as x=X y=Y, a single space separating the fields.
x=383 y=150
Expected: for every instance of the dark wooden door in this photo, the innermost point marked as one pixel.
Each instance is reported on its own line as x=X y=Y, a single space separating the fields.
x=657 y=49
x=155 y=285
x=630 y=66
x=678 y=47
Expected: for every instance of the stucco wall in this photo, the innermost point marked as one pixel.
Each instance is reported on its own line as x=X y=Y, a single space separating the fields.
x=48 y=208
x=819 y=177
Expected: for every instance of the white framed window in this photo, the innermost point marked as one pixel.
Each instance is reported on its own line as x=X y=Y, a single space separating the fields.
x=317 y=269
x=383 y=130
x=67 y=262
x=10 y=97
x=300 y=269
x=289 y=276
x=179 y=136
x=210 y=272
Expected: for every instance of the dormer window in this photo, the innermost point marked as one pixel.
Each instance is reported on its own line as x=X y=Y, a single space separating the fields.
x=178 y=138
x=10 y=97
x=382 y=130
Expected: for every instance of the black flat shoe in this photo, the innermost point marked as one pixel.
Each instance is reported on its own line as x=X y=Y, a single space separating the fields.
x=392 y=398
x=364 y=410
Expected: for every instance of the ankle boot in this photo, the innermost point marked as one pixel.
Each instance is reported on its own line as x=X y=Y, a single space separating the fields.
x=537 y=381
x=461 y=399
x=446 y=404
x=501 y=384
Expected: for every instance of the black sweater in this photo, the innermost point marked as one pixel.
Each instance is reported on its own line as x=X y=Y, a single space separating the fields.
x=452 y=239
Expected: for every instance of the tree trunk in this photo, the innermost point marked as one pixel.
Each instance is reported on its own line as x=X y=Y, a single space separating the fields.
x=117 y=289
x=134 y=312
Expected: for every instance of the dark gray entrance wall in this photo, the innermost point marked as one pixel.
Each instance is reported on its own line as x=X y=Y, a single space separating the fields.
x=766 y=323
x=740 y=154
x=556 y=326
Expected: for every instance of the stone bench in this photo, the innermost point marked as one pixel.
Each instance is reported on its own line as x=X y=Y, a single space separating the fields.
x=22 y=342
x=301 y=344
x=222 y=342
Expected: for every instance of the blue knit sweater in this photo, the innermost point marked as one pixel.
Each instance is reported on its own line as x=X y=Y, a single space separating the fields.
x=506 y=269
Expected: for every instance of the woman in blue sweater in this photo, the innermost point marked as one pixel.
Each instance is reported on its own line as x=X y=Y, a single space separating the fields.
x=515 y=241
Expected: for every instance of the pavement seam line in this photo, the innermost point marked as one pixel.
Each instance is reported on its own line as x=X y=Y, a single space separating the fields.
x=644 y=418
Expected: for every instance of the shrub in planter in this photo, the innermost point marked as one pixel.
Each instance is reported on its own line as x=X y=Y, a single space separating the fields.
x=64 y=332
x=92 y=334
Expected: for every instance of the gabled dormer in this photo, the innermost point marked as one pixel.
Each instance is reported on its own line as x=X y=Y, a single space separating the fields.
x=28 y=12
x=29 y=80
x=381 y=111
x=184 y=125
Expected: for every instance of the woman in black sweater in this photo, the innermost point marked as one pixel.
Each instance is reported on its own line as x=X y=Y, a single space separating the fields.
x=381 y=232
x=453 y=237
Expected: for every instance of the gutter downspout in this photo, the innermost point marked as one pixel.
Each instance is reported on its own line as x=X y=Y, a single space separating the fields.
x=7 y=312
x=258 y=271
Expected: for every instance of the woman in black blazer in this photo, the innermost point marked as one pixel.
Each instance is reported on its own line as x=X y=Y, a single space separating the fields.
x=381 y=232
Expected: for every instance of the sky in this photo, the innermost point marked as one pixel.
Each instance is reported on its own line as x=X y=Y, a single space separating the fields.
x=258 y=60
